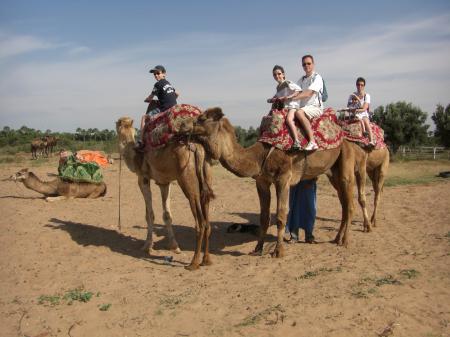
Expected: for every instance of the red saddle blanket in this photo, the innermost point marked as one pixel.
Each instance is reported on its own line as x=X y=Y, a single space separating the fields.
x=274 y=130
x=161 y=128
x=353 y=132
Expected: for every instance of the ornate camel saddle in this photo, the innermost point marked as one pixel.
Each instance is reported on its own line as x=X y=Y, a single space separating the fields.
x=353 y=132
x=274 y=130
x=162 y=127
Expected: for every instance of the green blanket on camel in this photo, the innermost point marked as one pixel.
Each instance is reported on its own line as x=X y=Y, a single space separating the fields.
x=74 y=170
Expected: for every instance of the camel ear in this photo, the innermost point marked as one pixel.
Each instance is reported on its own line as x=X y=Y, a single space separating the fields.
x=214 y=113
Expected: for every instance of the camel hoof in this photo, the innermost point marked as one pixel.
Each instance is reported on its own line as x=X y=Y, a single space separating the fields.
x=278 y=253
x=192 y=267
x=147 y=248
x=206 y=262
x=176 y=250
x=256 y=253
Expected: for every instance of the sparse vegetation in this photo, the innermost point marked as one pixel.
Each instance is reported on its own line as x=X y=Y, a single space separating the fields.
x=410 y=273
x=105 y=307
x=77 y=294
x=253 y=319
x=389 y=279
x=314 y=273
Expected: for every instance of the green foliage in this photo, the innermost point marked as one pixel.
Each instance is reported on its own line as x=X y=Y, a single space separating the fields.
x=403 y=124
x=78 y=294
x=441 y=119
x=246 y=137
x=14 y=141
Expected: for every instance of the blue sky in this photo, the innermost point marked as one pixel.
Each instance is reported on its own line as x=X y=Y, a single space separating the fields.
x=74 y=64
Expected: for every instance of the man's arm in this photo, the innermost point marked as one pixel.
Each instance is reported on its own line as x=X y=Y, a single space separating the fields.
x=308 y=93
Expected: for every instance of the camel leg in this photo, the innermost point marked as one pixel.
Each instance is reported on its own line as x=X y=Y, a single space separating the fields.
x=192 y=193
x=282 y=190
x=167 y=217
x=378 y=177
x=205 y=208
x=361 y=185
x=263 y=188
x=347 y=184
x=144 y=186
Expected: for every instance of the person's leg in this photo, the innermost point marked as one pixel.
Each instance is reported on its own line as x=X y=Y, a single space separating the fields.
x=311 y=204
x=369 y=130
x=142 y=127
x=291 y=124
x=304 y=122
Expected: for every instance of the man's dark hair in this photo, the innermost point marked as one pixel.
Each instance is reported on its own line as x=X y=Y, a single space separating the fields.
x=360 y=79
x=277 y=67
x=306 y=56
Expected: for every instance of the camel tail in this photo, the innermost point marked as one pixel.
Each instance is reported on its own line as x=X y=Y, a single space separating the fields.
x=204 y=178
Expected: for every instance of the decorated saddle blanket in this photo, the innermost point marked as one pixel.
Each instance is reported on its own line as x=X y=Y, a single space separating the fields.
x=71 y=169
x=274 y=130
x=86 y=156
x=162 y=127
x=354 y=133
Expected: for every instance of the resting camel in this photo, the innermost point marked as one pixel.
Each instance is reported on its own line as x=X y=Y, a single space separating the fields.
x=273 y=166
x=184 y=163
x=59 y=189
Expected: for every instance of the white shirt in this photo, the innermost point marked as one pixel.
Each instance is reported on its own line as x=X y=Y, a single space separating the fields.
x=288 y=88
x=314 y=83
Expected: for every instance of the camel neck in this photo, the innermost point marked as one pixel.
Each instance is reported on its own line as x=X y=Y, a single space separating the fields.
x=244 y=162
x=44 y=187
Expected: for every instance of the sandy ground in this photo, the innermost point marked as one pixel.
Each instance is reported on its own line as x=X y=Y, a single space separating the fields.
x=391 y=282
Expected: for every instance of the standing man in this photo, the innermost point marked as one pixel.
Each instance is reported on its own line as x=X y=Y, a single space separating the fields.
x=302 y=210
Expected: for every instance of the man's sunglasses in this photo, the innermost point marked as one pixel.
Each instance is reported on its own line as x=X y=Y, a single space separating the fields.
x=306 y=64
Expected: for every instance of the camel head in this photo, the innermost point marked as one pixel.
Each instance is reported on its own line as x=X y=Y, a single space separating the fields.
x=125 y=130
x=22 y=175
x=215 y=132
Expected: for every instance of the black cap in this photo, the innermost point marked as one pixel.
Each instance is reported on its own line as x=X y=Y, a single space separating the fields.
x=158 y=68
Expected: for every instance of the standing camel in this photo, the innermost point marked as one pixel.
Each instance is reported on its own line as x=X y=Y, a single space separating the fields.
x=38 y=147
x=51 y=144
x=59 y=189
x=184 y=163
x=377 y=167
x=273 y=166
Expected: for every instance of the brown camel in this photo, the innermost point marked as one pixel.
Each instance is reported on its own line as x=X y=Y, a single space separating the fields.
x=38 y=148
x=272 y=166
x=51 y=144
x=59 y=189
x=375 y=163
x=184 y=163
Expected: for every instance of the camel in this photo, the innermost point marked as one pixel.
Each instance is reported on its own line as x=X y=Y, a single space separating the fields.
x=59 y=189
x=273 y=166
x=375 y=163
x=38 y=148
x=184 y=163
x=51 y=143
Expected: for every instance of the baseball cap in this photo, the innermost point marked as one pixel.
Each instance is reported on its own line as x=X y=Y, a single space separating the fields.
x=158 y=68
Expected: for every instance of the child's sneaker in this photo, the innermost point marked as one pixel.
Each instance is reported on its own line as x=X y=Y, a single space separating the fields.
x=296 y=146
x=311 y=146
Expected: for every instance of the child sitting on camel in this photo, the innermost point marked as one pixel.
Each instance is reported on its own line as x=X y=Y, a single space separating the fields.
x=166 y=94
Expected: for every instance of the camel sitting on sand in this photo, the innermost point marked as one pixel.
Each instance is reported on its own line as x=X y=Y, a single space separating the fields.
x=273 y=166
x=59 y=189
x=183 y=162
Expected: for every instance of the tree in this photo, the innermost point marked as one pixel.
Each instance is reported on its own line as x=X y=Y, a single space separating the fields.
x=441 y=119
x=403 y=124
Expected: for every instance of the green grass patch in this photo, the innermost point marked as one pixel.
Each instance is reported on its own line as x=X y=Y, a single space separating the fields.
x=77 y=294
x=314 y=273
x=105 y=307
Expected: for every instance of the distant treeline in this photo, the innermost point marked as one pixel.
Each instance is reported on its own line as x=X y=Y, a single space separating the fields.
x=403 y=123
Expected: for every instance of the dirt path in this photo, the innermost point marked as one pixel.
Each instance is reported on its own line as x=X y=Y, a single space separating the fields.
x=397 y=276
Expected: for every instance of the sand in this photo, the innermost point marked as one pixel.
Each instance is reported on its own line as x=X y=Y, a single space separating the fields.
x=393 y=281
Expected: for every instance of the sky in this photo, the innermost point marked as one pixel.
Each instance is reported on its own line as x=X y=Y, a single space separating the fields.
x=70 y=64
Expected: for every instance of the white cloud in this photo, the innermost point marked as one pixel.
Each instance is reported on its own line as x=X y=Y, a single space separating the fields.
x=402 y=61
x=15 y=45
